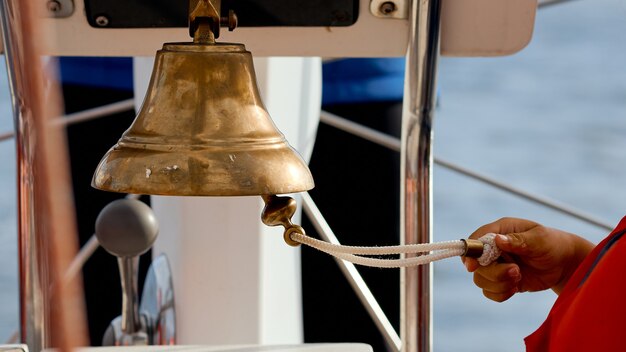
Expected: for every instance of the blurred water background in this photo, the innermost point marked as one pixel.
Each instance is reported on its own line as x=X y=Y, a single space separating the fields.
x=550 y=120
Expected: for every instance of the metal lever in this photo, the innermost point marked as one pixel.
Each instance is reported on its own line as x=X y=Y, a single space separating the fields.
x=127 y=228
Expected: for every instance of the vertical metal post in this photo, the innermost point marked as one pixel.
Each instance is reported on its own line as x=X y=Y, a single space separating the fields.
x=129 y=268
x=33 y=298
x=51 y=311
x=416 y=170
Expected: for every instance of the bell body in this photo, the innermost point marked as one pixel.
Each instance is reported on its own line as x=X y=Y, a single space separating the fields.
x=203 y=131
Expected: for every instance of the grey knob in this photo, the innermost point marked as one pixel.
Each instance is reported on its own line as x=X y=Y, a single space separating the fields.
x=126 y=228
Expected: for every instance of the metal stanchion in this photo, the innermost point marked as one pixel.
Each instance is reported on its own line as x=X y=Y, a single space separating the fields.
x=416 y=166
x=50 y=315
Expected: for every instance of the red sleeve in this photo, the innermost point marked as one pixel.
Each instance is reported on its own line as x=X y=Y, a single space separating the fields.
x=590 y=313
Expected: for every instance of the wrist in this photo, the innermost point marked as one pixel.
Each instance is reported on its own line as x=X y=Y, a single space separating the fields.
x=580 y=248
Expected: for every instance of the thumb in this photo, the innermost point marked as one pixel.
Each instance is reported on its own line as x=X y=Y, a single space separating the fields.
x=516 y=243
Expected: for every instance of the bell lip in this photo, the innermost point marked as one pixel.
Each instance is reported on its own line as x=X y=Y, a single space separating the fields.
x=183 y=194
x=163 y=194
x=204 y=48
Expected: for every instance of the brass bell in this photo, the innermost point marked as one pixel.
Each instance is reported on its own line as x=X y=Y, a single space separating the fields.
x=203 y=131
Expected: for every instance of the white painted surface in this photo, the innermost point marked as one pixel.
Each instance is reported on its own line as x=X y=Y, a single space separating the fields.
x=469 y=28
x=485 y=27
x=235 y=280
x=291 y=91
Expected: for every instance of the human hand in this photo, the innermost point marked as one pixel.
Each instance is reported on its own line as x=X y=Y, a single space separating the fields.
x=534 y=258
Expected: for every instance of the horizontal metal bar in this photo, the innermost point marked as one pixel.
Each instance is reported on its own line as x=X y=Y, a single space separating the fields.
x=83 y=255
x=95 y=113
x=545 y=3
x=352 y=275
x=6 y=136
x=547 y=202
x=85 y=115
x=394 y=144
x=359 y=130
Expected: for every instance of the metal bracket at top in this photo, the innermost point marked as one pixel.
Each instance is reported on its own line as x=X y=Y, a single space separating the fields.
x=59 y=8
x=398 y=9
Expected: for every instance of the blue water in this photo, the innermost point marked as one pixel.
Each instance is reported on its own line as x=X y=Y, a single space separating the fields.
x=551 y=120
x=8 y=218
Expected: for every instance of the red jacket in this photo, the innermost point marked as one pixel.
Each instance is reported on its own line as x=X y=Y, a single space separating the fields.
x=590 y=313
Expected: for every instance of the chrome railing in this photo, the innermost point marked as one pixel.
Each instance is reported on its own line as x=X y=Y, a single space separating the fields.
x=545 y=3
x=379 y=138
x=393 y=143
x=85 y=115
x=418 y=110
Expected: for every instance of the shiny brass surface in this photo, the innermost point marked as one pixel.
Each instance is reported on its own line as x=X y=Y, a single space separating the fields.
x=203 y=131
x=203 y=33
x=473 y=248
x=278 y=212
x=287 y=235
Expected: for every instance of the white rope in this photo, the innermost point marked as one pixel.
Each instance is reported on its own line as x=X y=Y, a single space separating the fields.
x=399 y=263
x=409 y=248
x=491 y=252
x=438 y=251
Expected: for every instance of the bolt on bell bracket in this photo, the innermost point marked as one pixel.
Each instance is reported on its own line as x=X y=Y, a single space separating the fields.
x=205 y=20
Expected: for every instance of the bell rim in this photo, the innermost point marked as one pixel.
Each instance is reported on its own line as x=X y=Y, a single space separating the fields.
x=112 y=174
x=201 y=144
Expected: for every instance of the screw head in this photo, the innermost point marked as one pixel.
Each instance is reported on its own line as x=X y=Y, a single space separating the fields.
x=231 y=21
x=102 y=21
x=387 y=8
x=53 y=6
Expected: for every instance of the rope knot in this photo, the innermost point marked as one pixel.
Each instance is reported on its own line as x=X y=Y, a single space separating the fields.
x=491 y=252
